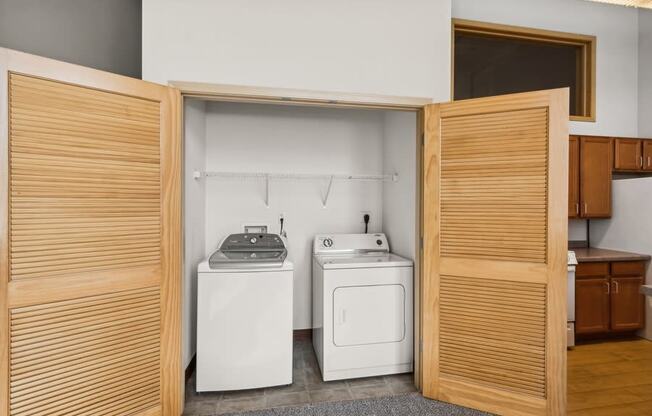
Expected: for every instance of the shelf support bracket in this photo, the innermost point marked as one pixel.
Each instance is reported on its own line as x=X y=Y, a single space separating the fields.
x=328 y=192
x=267 y=191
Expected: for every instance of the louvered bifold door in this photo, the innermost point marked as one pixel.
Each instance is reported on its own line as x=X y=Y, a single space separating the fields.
x=495 y=241
x=89 y=239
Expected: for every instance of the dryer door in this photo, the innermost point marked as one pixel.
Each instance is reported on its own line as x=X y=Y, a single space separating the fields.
x=368 y=314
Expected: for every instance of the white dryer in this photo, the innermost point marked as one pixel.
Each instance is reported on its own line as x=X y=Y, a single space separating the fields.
x=362 y=307
x=244 y=315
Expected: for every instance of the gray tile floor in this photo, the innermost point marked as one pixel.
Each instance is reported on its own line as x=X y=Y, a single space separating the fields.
x=306 y=388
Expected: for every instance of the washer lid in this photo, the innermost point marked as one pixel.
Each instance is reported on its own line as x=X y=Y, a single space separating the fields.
x=360 y=261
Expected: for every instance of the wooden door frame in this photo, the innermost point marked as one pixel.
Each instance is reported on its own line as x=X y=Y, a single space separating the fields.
x=35 y=66
x=312 y=98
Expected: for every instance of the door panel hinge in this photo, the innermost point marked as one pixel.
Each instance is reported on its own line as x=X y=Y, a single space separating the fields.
x=423 y=139
x=421 y=345
x=421 y=243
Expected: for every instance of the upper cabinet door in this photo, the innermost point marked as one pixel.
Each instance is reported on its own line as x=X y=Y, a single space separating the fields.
x=627 y=154
x=89 y=242
x=595 y=173
x=647 y=154
x=574 y=177
x=494 y=257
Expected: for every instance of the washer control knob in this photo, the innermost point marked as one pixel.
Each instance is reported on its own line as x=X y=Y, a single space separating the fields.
x=379 y=242
x=328 y=242
x=253 y=240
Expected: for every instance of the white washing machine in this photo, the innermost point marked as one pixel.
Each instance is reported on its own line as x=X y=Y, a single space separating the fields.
x=362 y=298
x=244 y=315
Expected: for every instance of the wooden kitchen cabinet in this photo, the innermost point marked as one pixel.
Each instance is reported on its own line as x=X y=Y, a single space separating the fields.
x=628 y=154
x=574 y=177
x=595 y=177
x=592 y=159
x=647 y=155
x=607 y=297
x=592 y=305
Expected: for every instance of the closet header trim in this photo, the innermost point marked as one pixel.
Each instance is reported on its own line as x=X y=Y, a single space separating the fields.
x=240 y=93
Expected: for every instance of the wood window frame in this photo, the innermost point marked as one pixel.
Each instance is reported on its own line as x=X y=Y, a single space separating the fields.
x=586 y=68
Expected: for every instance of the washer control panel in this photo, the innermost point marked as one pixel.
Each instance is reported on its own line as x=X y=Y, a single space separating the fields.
x=251 y=250
x=248 y=241
x=350 y=243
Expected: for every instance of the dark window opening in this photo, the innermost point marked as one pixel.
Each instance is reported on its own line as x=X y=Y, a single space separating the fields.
x=490 y=63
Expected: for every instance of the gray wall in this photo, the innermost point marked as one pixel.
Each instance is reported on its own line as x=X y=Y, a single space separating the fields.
x=645 y=75
x=102 y=34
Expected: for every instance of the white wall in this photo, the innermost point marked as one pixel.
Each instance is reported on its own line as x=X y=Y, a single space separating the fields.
x=96 y=33
x=371 y=46
x=399 y=198
x=630 y=226
x=645 y=73
x=617 y=49
x=288 y=139
x=193 y=211
x=577 y=230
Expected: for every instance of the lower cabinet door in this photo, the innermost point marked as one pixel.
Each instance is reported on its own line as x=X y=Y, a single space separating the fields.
x=592 y=305
x=627 y=304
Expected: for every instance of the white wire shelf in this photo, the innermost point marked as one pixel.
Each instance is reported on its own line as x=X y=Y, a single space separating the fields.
x=268 y=176
x=306 y=176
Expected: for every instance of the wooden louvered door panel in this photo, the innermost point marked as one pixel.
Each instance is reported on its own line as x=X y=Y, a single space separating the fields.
x=90 y=230
x=495 y=241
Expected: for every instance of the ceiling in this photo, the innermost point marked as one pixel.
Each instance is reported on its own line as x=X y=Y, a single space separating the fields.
x=632 y=3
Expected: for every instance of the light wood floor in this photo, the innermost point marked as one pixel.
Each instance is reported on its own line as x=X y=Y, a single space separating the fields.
x=610 y=378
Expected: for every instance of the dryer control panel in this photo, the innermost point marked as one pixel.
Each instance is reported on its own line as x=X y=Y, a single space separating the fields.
x=350 y=243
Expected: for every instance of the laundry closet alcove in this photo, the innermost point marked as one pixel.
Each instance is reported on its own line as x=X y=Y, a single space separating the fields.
x=321 y=166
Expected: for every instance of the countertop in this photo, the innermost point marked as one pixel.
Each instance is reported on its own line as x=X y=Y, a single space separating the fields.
x=590 y=254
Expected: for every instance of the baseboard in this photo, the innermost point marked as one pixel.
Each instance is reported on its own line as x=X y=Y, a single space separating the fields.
x=191 y=367
x=605 y=337
x=302 y=334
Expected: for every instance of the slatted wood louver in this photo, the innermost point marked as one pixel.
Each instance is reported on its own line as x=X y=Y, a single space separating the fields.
x=85 y=179
x=494 y=186
x=92 y=356
x=493 y=332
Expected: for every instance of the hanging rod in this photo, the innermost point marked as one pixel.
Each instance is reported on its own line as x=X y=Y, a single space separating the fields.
x=305 y=176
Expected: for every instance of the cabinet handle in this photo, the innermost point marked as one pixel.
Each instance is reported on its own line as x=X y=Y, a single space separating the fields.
x=577 y=208
x=641 y=160
x=586 y=208
x=616 y=287
x=648 y=161
x=608 y=287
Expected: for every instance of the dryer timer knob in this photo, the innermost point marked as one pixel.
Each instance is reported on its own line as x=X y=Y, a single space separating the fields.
x=328 y=242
